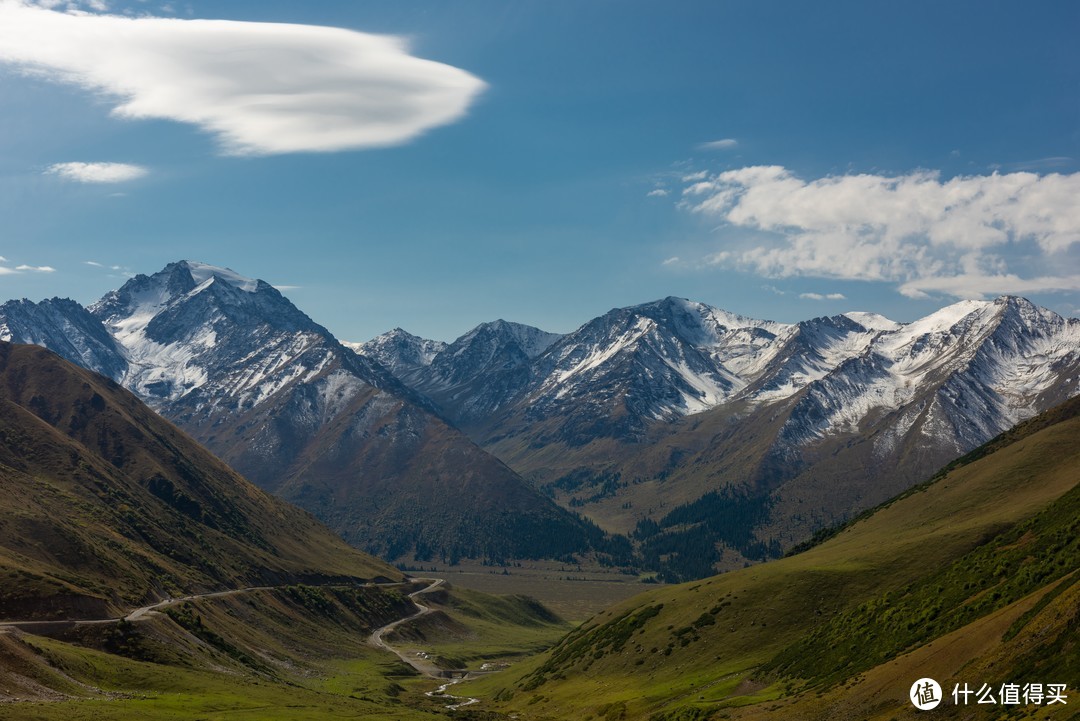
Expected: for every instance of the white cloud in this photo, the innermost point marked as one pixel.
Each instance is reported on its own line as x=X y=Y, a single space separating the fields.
x=958 y=236
x=259 y=88
x=977 y=285
x=658 y=193
x=288 y=287
x=98 y=172
x=819 y=296
x=5 y=270
x=722 y=144
x=671 y=261
x=123 y=270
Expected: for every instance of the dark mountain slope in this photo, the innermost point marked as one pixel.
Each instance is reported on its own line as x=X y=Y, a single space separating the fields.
x=106 y=505
x=392 y=478
x=478 y=374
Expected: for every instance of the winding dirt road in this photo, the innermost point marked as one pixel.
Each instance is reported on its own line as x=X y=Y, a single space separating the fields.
x=420 y=663
x=134 y=615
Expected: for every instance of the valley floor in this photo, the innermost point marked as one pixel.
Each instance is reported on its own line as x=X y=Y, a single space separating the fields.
x=573 y=593
x=296 y=652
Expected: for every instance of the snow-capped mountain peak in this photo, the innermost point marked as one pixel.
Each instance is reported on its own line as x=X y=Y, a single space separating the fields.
x=531 y=341
x=400 y=351
x=873 y=321
x=137 y=301
x=131 y=306
x=183 y=324
x=961 y=375
x=937 y=323
x=657 y=360
x=202 y=272
x=698 y=323
x=675 y=357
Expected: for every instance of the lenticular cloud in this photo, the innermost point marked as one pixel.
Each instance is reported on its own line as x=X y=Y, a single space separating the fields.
x=260 y=88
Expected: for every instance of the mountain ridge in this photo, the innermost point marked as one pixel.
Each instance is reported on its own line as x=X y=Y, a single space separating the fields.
x=274 y=394
x=666 y=410
x=660 y=404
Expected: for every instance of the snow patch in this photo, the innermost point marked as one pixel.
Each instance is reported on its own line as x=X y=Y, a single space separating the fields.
x=202 y=272
x=873 y=321
x=599 y=356
x=939 y=322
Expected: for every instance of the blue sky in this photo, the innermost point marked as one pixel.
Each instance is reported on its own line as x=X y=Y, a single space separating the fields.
x=544 y=161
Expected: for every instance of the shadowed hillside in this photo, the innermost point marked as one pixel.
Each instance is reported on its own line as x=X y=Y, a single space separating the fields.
x=105 y=505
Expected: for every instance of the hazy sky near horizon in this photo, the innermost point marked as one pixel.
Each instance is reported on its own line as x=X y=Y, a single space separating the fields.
x=434 y=165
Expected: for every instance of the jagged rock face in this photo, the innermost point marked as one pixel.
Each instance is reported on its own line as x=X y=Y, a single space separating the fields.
x=622 y=372
x=400 y=352
x=235 y=364
x=489 y=348
x=471 y=378
x=962 y=375
x=66 y=328
x=638 y=365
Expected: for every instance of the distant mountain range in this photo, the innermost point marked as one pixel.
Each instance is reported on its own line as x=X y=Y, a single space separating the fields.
x=275 y=395
x=709 y=438
x=675 y=358
x=687 y=425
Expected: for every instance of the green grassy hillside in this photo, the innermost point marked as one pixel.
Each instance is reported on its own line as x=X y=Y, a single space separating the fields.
x=299 y=652
x=295 y=652
x=981 y=560
x=469 y=628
